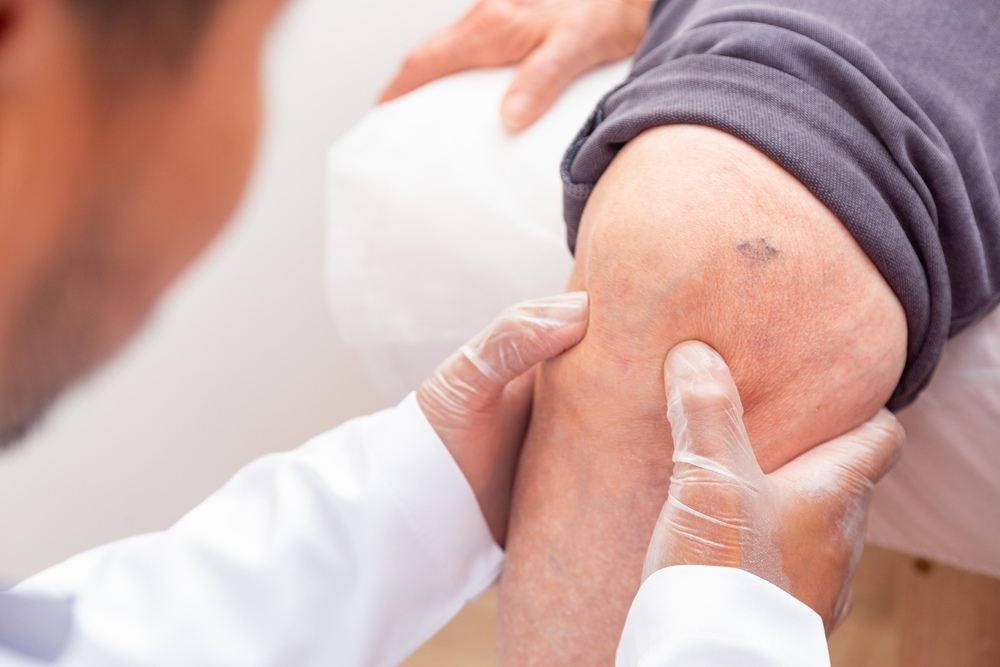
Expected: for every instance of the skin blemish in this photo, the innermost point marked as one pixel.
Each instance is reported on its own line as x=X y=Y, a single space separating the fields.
x=758 y=250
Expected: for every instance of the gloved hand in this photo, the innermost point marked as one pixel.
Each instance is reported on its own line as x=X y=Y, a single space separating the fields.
x=802 y=527
x=479 y=399
x=554 y=40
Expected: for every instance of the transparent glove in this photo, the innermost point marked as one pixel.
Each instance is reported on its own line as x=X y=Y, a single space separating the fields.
x=555 y=41
x=802 y=527
x=479 y=399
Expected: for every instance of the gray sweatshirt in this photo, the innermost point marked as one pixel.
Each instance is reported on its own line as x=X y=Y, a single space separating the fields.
x=888 y=111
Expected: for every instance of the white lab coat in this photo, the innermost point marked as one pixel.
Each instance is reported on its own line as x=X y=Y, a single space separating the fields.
x=352 y=551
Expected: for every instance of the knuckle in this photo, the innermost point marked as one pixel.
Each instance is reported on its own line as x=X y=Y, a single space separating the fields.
x=512 y=315
x=514 y=322
x=550 y=68
x=418 y=59
x=497 y=13
x=495 y=19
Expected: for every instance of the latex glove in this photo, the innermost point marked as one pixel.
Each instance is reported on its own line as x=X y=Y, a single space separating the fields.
x=554 y=40
x=479 y=400
x=802 y=527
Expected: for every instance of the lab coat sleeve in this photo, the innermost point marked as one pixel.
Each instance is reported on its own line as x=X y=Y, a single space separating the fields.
x=349 y=551
x=717 y=617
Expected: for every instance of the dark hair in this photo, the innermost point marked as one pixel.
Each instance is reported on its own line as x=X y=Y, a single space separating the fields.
x=127 y=33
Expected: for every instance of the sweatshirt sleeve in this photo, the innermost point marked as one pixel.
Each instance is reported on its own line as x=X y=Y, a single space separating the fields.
x=351 y=551
x=884 y=110
x=716 y=617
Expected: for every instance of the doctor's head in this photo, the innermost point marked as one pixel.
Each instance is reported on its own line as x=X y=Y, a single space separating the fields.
x=127 y=131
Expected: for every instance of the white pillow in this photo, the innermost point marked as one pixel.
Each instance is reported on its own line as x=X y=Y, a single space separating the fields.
x=439 y=218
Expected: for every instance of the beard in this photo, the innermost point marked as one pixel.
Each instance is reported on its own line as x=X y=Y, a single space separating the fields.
x=59 y=330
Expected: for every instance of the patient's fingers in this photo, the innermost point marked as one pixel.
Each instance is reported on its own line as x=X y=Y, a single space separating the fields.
x=556 y=40
x=544 y=75
x=582 y=36
x=432 y=60
x=493 y=33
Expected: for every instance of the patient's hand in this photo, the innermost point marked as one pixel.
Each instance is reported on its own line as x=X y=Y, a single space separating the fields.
x=690 y=235
x=554 y=40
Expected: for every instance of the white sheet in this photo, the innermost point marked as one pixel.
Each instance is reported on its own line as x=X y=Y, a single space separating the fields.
x=439 y=219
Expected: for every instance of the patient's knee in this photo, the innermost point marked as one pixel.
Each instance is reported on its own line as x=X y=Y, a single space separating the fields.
x=693 y=234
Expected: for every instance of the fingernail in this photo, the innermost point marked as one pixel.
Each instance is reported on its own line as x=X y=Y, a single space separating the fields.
x=887 y=422
x=691 y=365
x=568 y=308
x=696 y=357
x=516 y=110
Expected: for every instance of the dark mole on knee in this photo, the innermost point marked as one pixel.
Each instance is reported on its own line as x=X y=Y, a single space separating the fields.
x=758 y=250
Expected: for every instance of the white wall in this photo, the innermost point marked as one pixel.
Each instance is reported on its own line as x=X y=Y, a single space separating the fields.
x=242 y=357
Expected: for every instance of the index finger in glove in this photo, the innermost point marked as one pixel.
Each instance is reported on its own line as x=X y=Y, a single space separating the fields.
x=521 y=337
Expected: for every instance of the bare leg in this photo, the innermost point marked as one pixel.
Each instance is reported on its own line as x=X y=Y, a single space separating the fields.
x=690 y=234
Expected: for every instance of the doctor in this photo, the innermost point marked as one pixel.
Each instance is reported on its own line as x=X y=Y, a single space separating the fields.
x=357 y=547
x=126 y=131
